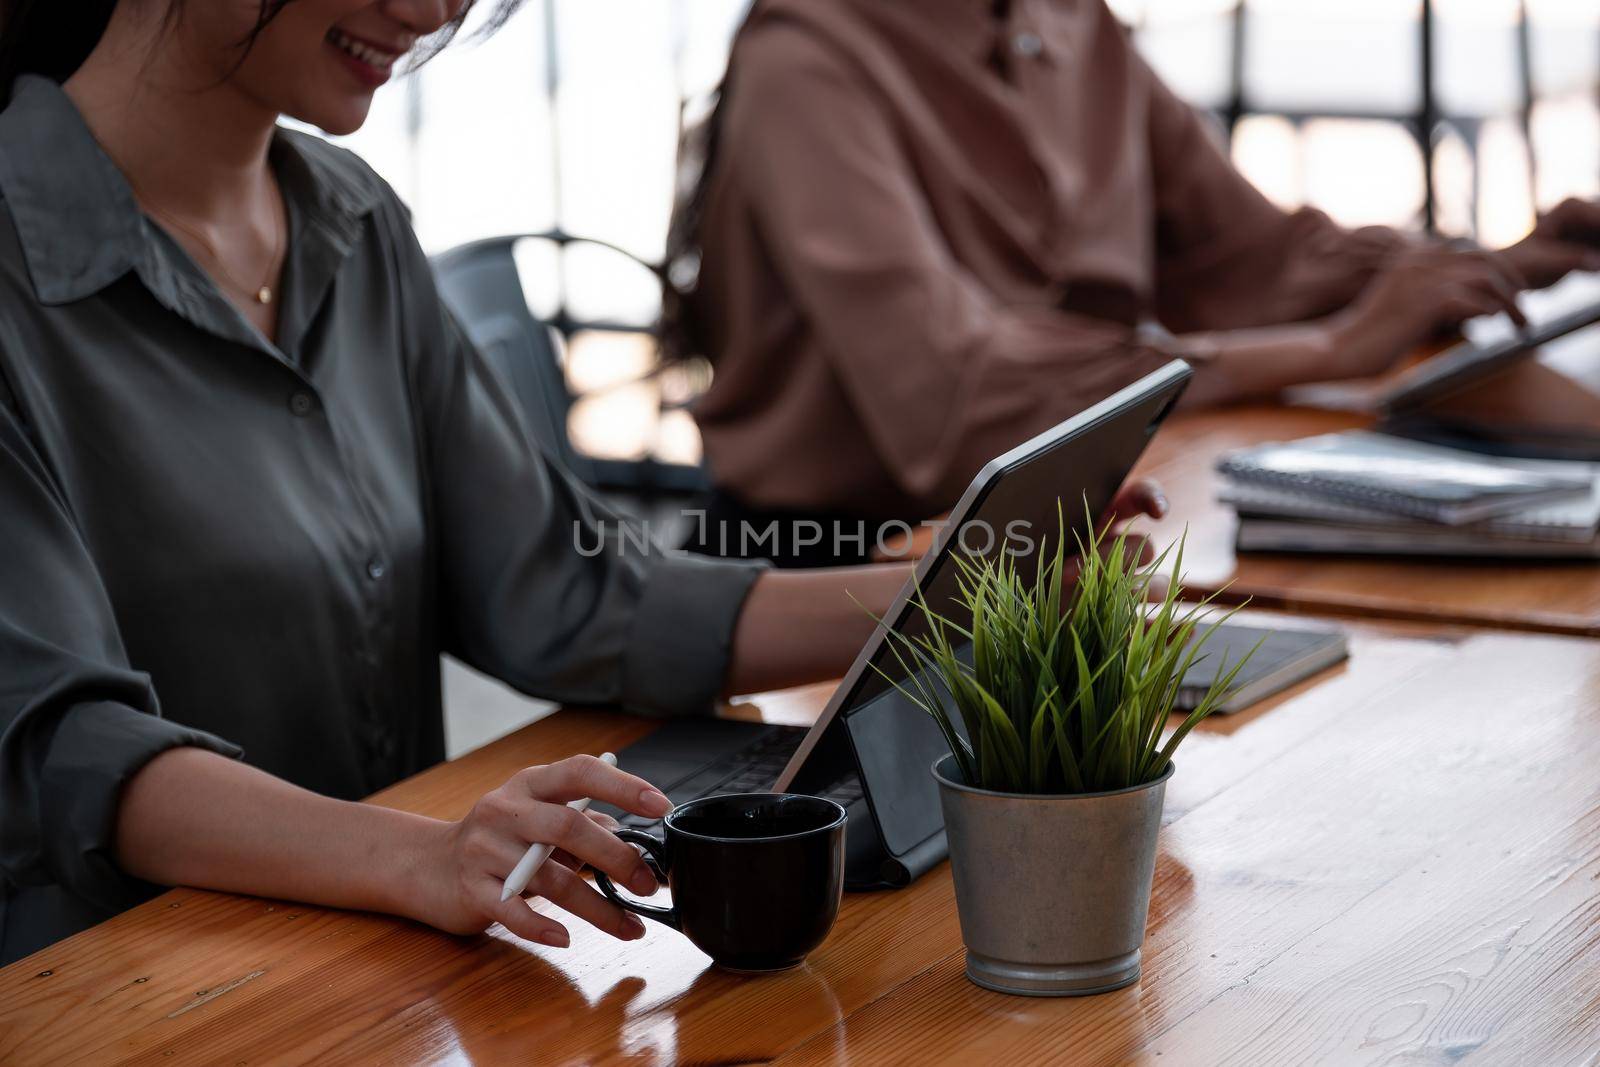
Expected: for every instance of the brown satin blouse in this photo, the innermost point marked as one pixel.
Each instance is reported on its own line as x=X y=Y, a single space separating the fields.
x=932 y=231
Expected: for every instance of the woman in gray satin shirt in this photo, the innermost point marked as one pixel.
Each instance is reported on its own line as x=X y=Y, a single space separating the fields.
x=254 y=480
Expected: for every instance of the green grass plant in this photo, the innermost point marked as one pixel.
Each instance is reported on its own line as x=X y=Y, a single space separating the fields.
x=1069 y=686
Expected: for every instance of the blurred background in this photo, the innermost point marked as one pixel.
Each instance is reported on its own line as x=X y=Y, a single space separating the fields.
x=1459 y=116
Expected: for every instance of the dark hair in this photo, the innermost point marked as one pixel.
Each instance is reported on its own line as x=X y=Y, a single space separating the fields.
x=54 y=37
x=49 y=38
x=682 y=330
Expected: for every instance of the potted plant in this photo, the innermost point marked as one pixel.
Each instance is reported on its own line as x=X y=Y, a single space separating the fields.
x=1054 y=703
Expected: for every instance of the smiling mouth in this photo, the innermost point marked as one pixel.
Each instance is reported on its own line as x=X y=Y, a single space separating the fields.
x=373 y=56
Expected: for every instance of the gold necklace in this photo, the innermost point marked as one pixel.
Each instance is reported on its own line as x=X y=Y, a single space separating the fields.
x=261 y=293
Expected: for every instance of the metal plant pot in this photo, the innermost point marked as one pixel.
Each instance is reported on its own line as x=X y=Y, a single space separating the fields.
x=1052 y=891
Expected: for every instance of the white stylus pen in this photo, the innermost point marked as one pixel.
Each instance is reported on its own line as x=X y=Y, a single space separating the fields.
x=534 y=858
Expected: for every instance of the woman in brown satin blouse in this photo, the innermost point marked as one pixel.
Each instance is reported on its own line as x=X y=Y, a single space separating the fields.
x=928 y=230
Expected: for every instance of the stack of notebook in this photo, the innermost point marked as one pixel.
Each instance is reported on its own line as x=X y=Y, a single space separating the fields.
x=1369 y=493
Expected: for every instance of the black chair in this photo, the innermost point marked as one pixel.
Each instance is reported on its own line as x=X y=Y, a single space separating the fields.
x=480 y=283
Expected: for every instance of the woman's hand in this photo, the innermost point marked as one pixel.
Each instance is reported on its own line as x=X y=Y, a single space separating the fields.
x=1423 y=291
x=1142 y=496
x=1565 y=239
x=463 y=868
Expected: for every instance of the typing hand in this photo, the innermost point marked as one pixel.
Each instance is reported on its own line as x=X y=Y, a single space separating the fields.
x=462 y=871
x=1565 y=239
x=1421 y=292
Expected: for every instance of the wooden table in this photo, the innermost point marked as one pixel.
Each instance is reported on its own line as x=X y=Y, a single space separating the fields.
x=1554 y=597
x=1399 y=861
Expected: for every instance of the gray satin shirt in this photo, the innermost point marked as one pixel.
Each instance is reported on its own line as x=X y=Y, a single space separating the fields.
x=208 y=539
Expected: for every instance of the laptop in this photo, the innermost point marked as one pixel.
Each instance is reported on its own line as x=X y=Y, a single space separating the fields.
x=871 y=748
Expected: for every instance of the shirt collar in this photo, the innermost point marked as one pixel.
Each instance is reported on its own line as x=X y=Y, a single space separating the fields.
x=77 y=221
x=81 y=229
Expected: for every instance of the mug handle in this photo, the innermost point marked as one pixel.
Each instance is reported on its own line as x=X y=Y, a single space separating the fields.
x=655 y=857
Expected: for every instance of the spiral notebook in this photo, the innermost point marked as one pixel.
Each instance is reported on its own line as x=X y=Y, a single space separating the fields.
x=1574 y=520
x=1444 y=542
x=1403 y=477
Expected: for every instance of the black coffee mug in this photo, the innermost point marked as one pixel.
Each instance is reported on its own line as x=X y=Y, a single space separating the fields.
x=755 y=877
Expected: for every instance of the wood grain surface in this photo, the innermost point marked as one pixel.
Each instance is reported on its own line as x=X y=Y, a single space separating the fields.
x=1396 y=862
x=1554 y=597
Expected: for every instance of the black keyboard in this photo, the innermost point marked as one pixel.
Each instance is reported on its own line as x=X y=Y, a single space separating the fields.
x=752 y=769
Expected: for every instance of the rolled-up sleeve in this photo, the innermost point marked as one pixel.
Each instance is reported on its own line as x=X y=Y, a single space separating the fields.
x=76 y=721
x=540 y=583
x=677 y=657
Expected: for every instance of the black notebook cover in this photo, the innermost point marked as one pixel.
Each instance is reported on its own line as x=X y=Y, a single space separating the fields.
x=1284 y=658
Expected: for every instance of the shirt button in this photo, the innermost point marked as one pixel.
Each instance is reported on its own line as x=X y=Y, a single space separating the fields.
x=301 y=403
x=376 y=570
x=1027 y=44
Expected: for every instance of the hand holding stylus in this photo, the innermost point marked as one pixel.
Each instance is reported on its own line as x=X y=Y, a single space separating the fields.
x=534 y=858
x=528 y=836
